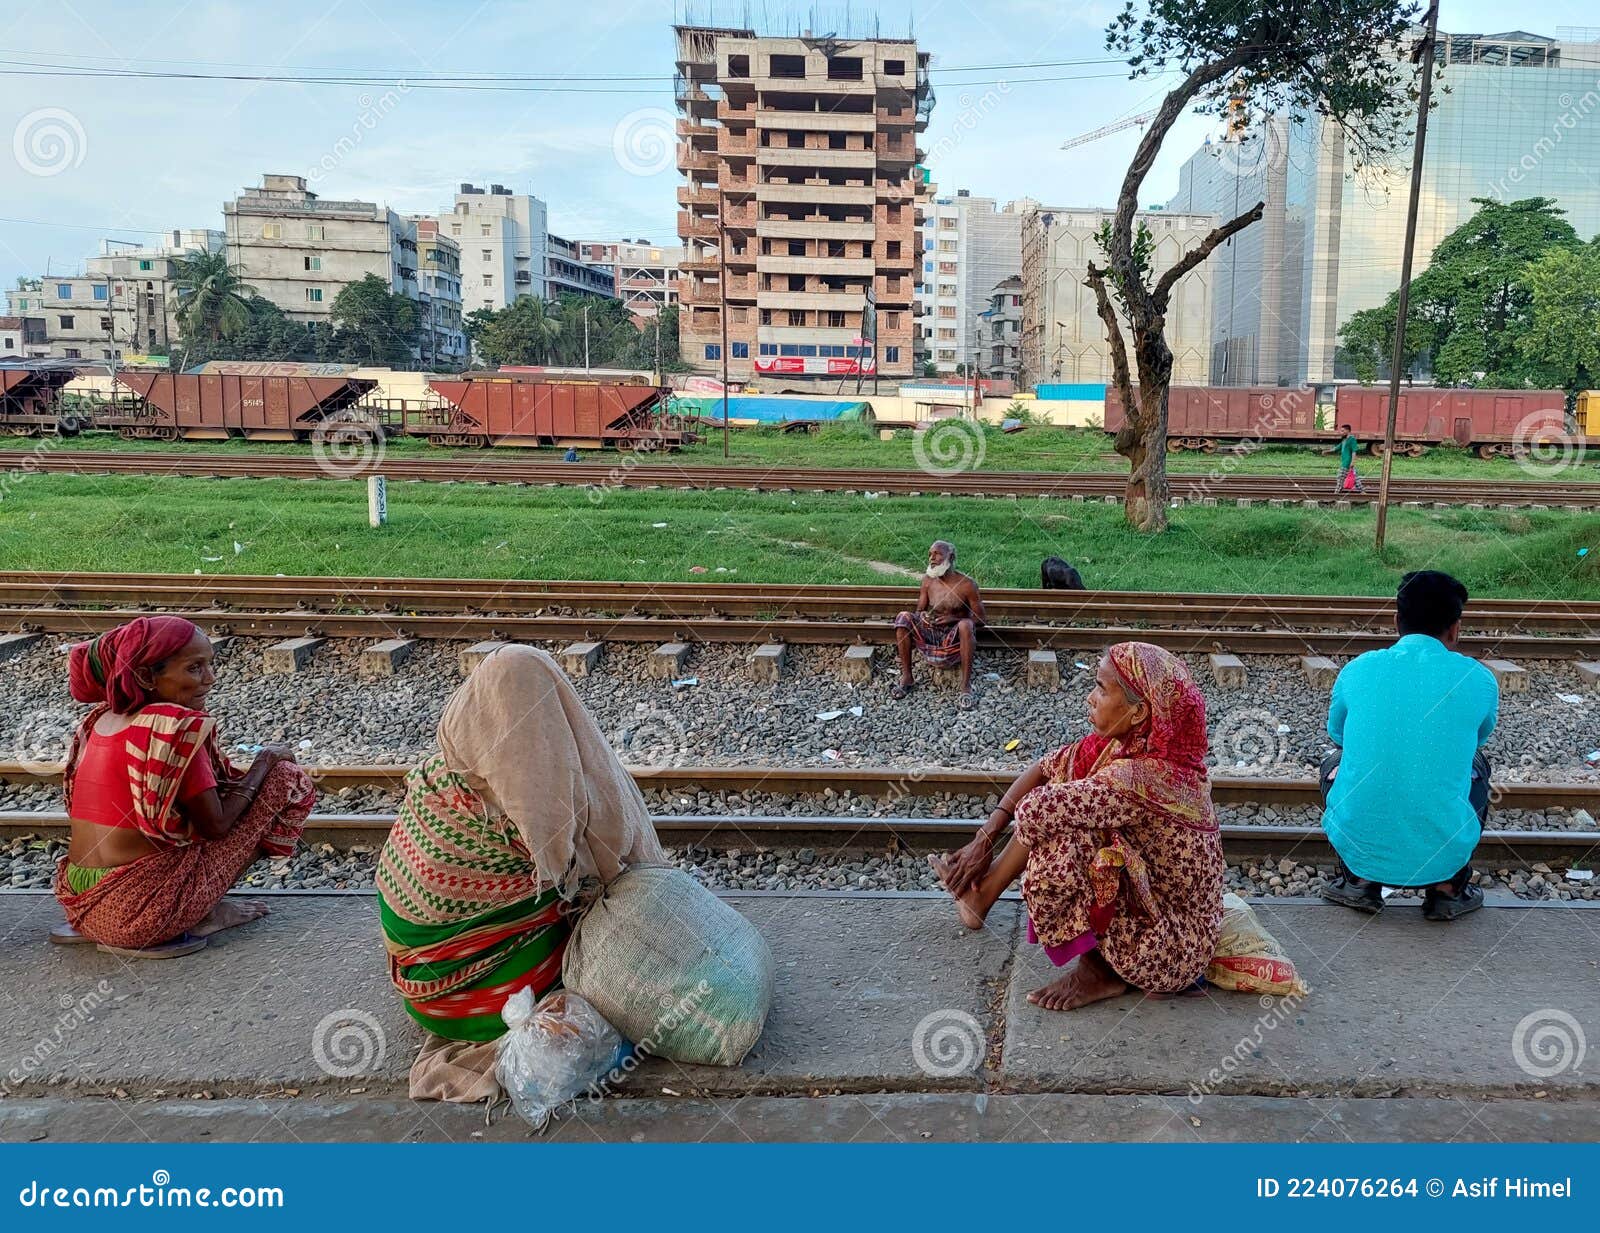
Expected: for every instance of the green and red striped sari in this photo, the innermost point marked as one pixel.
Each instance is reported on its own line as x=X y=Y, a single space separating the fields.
x=465 y=922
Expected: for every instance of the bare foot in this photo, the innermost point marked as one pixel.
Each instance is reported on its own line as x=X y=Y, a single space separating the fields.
x=967 y=903
x=1087 y=979
x=229 y=913
x=905 y=686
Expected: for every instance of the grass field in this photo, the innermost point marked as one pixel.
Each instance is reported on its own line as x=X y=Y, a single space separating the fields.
x=57 y=522
x=1034 y=449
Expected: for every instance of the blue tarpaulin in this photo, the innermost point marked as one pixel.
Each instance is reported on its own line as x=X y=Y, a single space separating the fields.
x=775 y=410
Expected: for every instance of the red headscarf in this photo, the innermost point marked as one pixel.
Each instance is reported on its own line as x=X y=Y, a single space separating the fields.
x=1162 y=762
x=102 y=670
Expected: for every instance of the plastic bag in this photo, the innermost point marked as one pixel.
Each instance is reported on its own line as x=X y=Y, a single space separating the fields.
x=552 y=1053
x=1248 y=958
x=1350 y=480
x=684 y=975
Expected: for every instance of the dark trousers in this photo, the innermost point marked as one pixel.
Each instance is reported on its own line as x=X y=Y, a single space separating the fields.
x=1477 y=794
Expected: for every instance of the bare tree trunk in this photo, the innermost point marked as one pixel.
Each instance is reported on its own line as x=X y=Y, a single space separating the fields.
x=1145 y=502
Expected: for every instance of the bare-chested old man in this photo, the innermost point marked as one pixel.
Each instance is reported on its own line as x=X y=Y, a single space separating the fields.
x=944 y=628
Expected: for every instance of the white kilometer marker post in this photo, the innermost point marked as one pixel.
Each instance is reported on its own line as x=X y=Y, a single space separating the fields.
x=377 y=501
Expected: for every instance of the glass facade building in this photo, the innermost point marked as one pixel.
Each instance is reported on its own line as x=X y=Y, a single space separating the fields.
x=1518 y=116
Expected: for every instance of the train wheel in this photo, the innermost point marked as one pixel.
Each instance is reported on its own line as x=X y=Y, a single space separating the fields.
x=1208 y=446
x=21 y=430
x=1175 y=445
x=1487 y=451
x=1416 y=449
x=474 y=441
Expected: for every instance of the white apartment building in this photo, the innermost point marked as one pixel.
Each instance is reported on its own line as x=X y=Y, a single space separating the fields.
x=507 y=251
x=299 y=251
x=969 y=246
x=441 y=341
x=122 y=305
x=1063 y=337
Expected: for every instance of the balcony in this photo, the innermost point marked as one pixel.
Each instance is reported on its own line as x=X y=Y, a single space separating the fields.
x=896 y=150
x=737 y=147
x=829 y=194
x=701 y=293
x=692 y=197
x=860 y=266
x=814 y=229
x=893 y=291
x=736 y=185
x=784 y=156
x=728 y=113
x=819 y=121
x=828 y=301
x=522 y=278
x=691 y=130
x=696 y=226
x=896 y=188
x=691 y=158
x=738 y=218
x=902 y=117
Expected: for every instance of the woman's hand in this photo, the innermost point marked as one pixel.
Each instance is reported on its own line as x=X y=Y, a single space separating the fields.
x=275 y=753
x=968 y=865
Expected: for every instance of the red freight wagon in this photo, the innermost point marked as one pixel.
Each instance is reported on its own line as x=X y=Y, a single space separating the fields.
x=217 y=406
x=29 y=400
x=1494 y=421
x=1199 y=417
x=533 y=410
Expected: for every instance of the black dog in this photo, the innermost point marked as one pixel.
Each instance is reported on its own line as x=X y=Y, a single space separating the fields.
x=1056 y=575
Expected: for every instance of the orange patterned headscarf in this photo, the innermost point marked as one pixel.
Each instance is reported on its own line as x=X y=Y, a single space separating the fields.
x=1162 y=763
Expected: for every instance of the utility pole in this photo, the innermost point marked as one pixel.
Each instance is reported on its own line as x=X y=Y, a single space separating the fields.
x=1405 y=269
x=585 y=338
x=722 y=313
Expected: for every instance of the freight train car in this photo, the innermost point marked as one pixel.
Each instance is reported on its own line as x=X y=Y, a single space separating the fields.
x=1201 y=417
x=536 y=410
x=30 y=400
x=170 y=406
x=1504 y=422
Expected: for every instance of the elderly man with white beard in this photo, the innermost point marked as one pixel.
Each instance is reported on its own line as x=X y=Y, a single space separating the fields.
x=944 y=627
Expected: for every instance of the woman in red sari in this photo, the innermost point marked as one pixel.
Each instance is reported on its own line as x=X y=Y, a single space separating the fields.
x=162 y=823
x=1115 y=841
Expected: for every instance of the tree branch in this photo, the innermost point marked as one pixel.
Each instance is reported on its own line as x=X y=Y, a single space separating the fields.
x=1096 y=281
x=1163 y=289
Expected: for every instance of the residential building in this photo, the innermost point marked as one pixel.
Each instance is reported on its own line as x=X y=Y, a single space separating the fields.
x=645 y=275
x=22 y=338
x=1063 y=338
x=299 y=251
x=1000 y=356
x=144 y=301
x=566 y=272
x=800 y=162
x=968 y=247
x=1518 y=120
x=441 y=342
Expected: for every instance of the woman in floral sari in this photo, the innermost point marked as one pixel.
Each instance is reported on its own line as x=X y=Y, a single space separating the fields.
x=162 y=823
x=524 y=811
x=1115 y=841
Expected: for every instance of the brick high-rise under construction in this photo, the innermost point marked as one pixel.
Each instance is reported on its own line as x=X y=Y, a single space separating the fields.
x=803 y=152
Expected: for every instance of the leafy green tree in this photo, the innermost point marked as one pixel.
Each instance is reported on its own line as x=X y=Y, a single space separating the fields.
x=1563 y=331
x=1331 y=62
x=269 y=335
x=212 y=300
x=373 y=325
x=525 y=331
x=1471 y=307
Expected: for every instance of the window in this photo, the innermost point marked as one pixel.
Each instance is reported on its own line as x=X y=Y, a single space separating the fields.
x=455 y=228
x=950 y=334
x=74 y=354
x=891 y=321
x=105 y=324
x=741 y=351
x=63 y=291
x=894 y=248
x=766 y=316
x=315 y=231
x=313 y=263
x=313 y=295
x=835 y=319
x=10 y=342
x=713 y=351
x=797 y=316
x=797 y=248
x=947 y=224
x=485 y=227
x=100 y=292
x=947 y=246
x=144 y=265
x=272 y=231
x=891 y=355
x=836 y=141
x=66 y=322
x=488 y=254
x=947 y=310
x=488 y=280
x=766 y=348
x=947 y=267
x=894 y=68
x=786 y=66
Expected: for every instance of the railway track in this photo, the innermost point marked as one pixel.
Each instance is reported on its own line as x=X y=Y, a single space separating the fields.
x=628 y=472
x=1021 y=619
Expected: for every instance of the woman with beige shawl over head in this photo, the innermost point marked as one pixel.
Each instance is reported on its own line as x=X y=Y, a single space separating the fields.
x=523 y=813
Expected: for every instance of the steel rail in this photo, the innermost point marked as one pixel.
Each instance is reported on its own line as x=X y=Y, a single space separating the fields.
x=722 y=832
x=630 y=472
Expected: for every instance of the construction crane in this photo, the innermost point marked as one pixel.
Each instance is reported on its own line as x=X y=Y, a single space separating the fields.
x=1141 y=119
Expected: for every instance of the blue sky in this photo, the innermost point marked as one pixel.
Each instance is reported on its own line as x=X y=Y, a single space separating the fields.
x=131 y=156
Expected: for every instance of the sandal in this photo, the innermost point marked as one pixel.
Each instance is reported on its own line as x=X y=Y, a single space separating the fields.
x=65 y=935
x=901 y=690
x=183 y=944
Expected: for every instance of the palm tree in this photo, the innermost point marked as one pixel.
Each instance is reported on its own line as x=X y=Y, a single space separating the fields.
x=212 y=302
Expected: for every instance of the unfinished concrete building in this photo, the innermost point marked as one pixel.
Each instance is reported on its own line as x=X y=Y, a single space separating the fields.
x=801 y=152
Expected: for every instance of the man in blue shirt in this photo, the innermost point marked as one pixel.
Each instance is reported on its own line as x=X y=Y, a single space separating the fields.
x=1406 y=793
